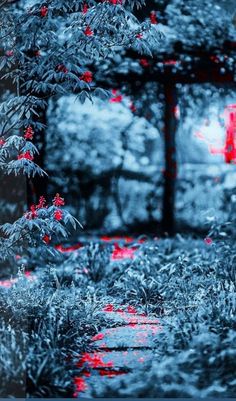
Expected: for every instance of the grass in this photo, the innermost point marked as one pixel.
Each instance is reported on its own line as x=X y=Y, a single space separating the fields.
x=47 y=324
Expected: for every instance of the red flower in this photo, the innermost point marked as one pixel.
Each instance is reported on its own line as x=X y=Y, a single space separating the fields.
x=153 y=18
x=42 y=202
x=88 y=31
x=2 y=142
x=29 y=133
x=87 y=76
x=144 y=62
x=58 y=214
x=46 y=238
x=27 y=155
x=58 y=201
x=9 y=53
x=37 y=53
x=33 y=213
x=85 y=8
x=62 y=68
x=139 y=36
x=43 y=11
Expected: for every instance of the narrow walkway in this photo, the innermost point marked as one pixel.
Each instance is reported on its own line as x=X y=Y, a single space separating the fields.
x=118 y=350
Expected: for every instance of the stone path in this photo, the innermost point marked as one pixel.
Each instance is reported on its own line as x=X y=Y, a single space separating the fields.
x=117 y=350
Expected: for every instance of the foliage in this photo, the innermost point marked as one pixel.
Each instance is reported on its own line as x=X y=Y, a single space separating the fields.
x=189 y=284
x=53 y=48
x=195 y=352
x=43 y=330
x=47 y=50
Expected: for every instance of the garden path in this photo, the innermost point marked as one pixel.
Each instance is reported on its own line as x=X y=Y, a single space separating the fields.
x=117 y=350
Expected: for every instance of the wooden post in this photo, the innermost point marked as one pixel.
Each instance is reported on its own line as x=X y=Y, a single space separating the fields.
x=170 y=172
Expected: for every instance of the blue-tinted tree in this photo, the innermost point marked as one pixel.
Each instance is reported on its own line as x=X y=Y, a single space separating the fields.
x=47 y=49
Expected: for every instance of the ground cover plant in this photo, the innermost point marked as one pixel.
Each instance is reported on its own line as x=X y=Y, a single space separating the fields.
x=60 y=312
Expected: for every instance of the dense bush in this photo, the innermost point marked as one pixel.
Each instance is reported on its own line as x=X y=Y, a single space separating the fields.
x=44 y=327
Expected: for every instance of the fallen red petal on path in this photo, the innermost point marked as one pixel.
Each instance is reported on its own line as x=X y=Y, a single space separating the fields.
x=131 y=309
x=97 y=337
x=108 y=308
x=94 y=360
x=80 y=384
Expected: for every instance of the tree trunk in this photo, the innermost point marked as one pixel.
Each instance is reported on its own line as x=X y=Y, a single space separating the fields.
x=170 y=119
x=38 y=185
